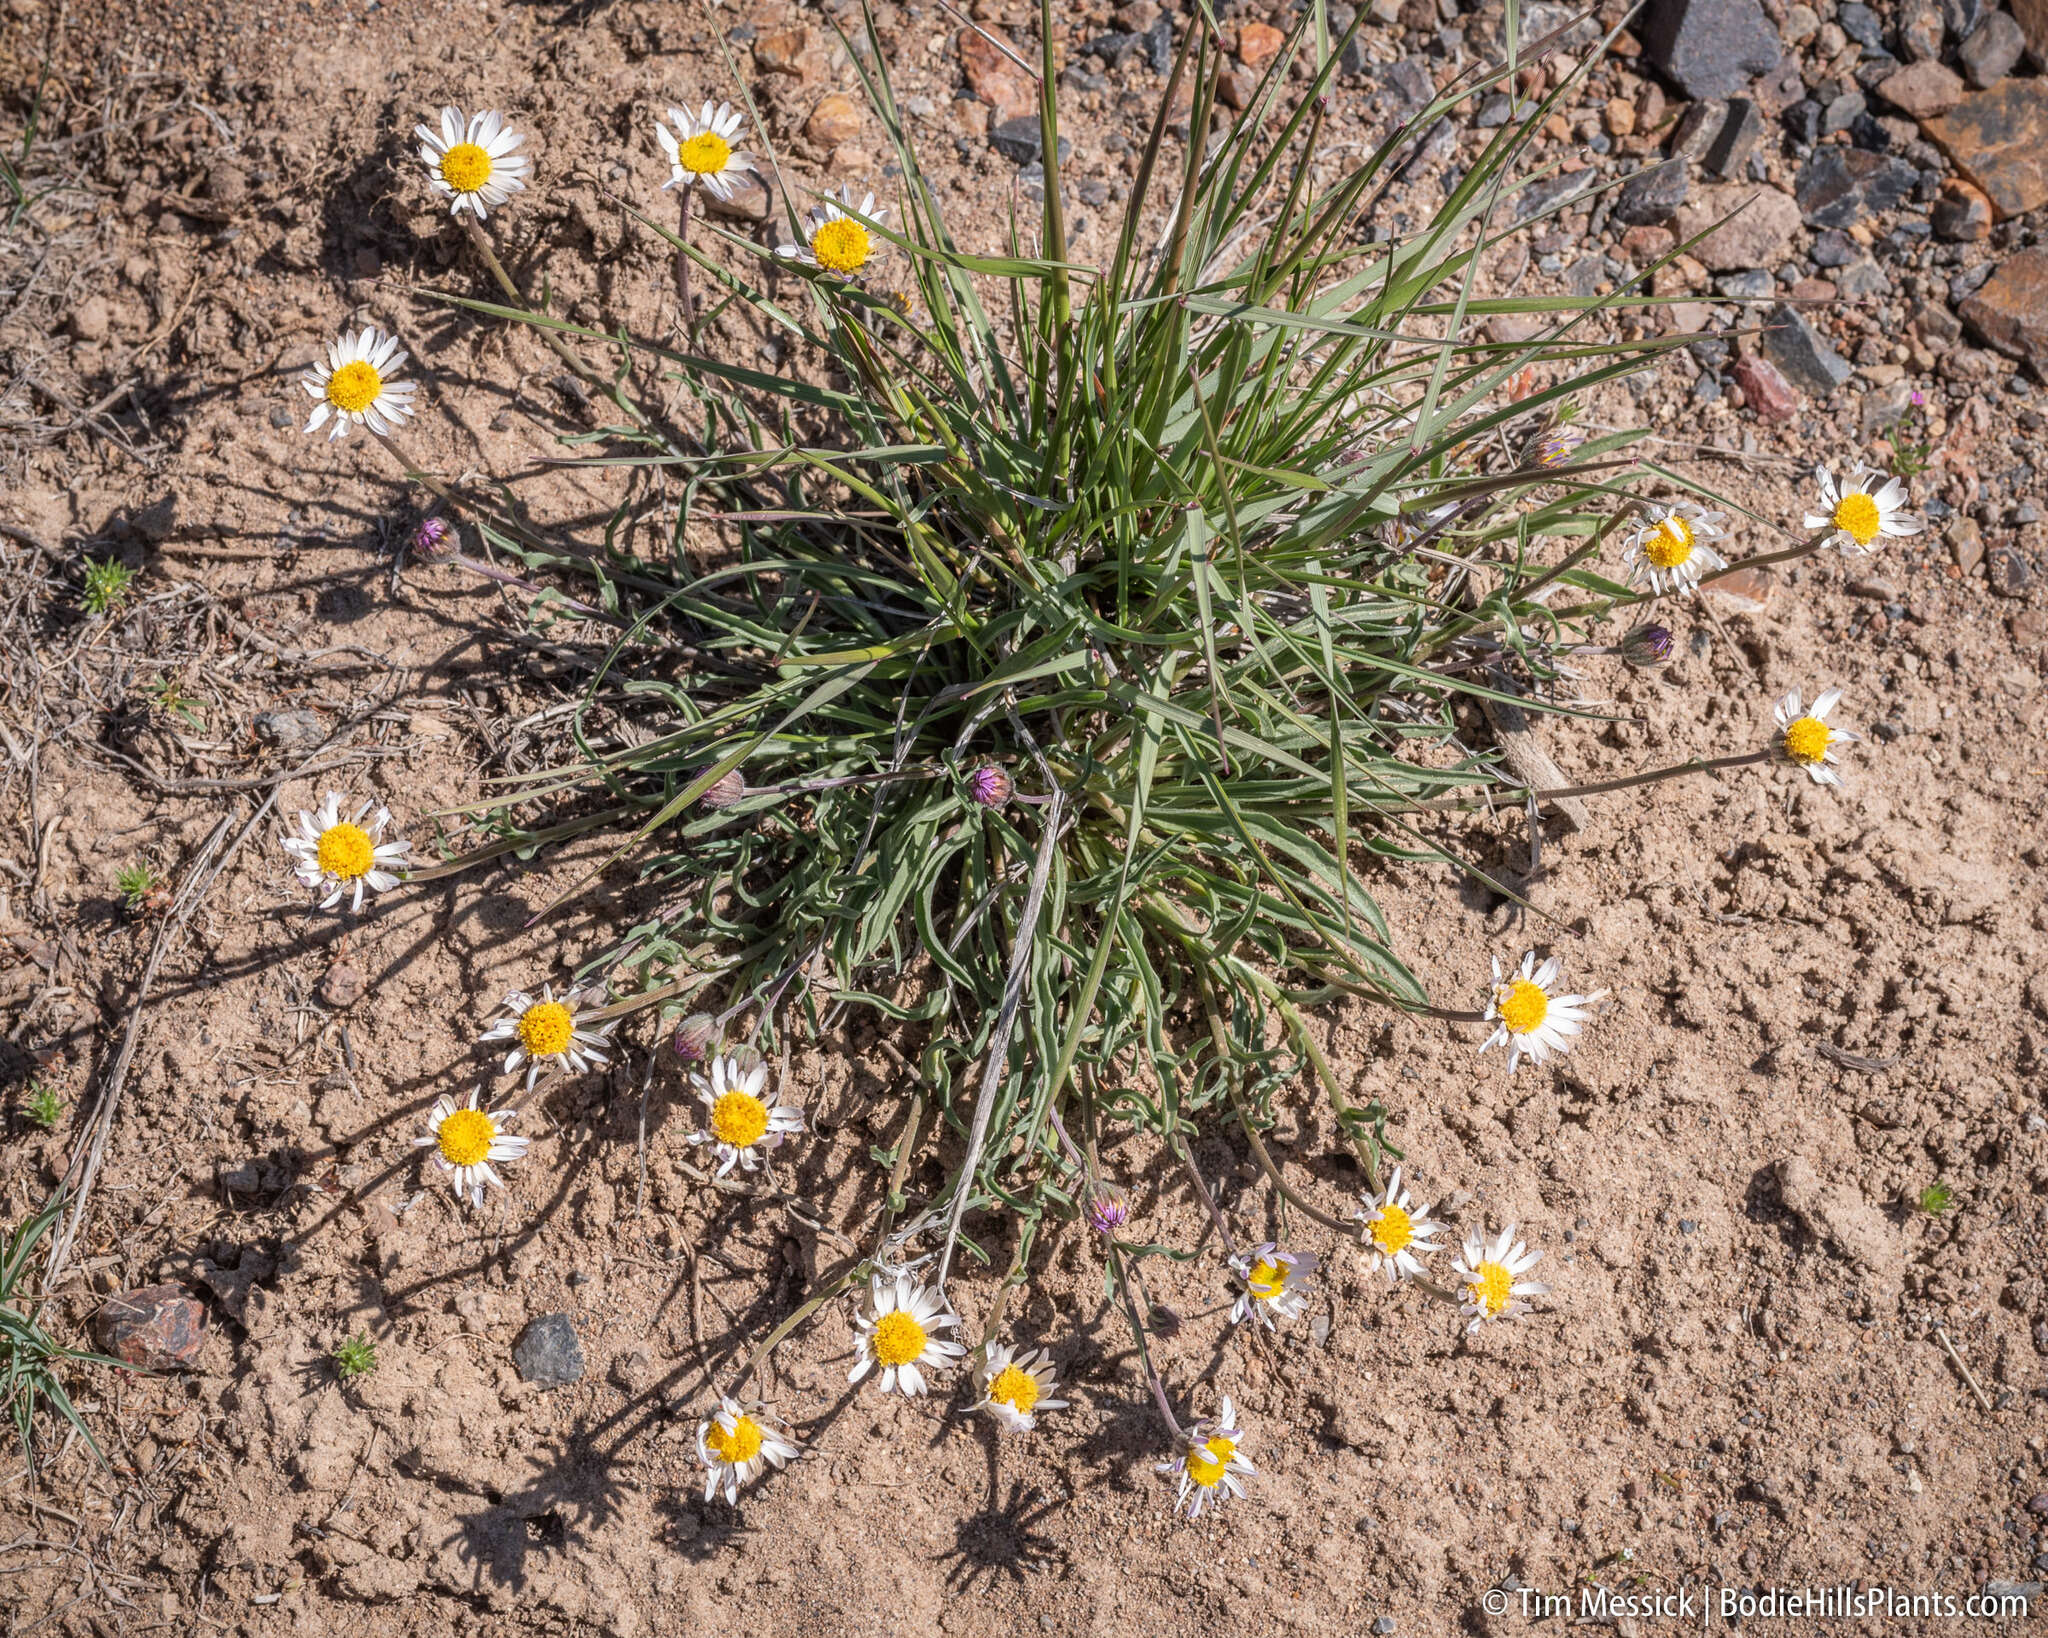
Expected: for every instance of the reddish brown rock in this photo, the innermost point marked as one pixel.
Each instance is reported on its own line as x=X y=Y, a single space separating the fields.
x=836 y=119
x=1769 y=394
x=1999 y=140
x=995 y=78
x=1962 y=215
x=158 y=1327
x=1234 y=87
x=1258 y=44
x=1643 y=245
x=1755 y=226
x=2010 y=310
x=781 y=52
x=1922 y=90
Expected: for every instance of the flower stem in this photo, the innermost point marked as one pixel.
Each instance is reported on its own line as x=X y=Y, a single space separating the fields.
x=1521 y=793
x=1124 y=1290
x=1187 y=1161
x=683 y=261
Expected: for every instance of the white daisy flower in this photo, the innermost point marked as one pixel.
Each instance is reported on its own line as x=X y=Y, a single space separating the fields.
x=1804 y=738
x=474 y=163
x=1016 y=1385
x=701 y=150
x=833 y=240
x=737 y=1443
x=897 y=1326
x=1670 y=553
x=1211 y=1468
x=1859 y=514
x=546 y=1033
x=346 y=854
x=465 y=1140
x=1275 y=1284
x=1490 y=1276
x=1398 y=1233
x=743 y=1124
x=1532 y=1021
x=358 y=386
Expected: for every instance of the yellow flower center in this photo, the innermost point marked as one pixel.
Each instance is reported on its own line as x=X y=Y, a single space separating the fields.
x=466 y=1137
x=899 y=1339
x=465 y=167
x=1671 y=545
x=346 y=852
x=1523 y=1007
x=1807 y=740
x=842 y=245
x=1392 y=1230
x=743 y=1444
x=1015 y=1388
x=1267 y=1279
x=1856 y=516
x=1207 y=1463
x=354 y=387
x=704 y=154
x=1490 y=1287
x=739 y=1118
x=546 y=1028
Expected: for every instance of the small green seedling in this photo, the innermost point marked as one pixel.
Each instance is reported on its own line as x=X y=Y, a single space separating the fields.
x=43 y=1106
x=107 y=586
x=355 y=1357
x=1936 y=1198
x=32 y=1362
x=136 y=884
x=173 y=701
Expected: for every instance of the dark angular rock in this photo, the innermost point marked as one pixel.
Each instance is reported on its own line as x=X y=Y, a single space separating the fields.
x=1807 y=361
x=1494 y=111
x=158 y=1327
x=1752 y=284
x=1652 y=195
x=1021 y=140
x=2010 y=312
x=1736 y=139
x=1802 y=122
x=1833 y=248
x=2010 y=571
x=290 y=730
x=547 y=1352
x=1863 y=278
x=1862 y=25
x=1710 y=47
x=1964 y=16
x=1841 y=186
x=1408 y=82
x=1159 y=44
x=1999 y=140
x=1538 y=197
x=1769 y=394
x=1992 y=51
x=1696 y=128
x=1867 y=132
x=1962 y=215
x=1842 y=112
x=1114 y=48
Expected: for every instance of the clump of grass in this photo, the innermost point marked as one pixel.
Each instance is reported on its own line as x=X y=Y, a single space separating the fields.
x=32 y=1362
x=355 y=1357
x=1935 y=1199
x=42 y=1106
x=108 y=585
x=137 y=884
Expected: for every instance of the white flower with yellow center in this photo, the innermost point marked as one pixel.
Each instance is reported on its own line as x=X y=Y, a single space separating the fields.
x=1804 y=738
x=899 y=1326
x=1531 y=1020
x=701 y=149
x=743 y=1124
x=546 y=1033
x=737 y=1443
x=1016 y=1386
x=1859 y=514
x=346 y=855
x=465 y=1140
x=1490 y=1277
x=1398 y=1233
x=1211 y=1468
x=833 y=241
x=1670 y=553
x=358 y=384
x=1275 y=1284
x=474 y=162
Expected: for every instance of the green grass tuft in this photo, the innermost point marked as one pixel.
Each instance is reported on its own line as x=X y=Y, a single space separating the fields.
x=355 y=1357
x=32 y=1362
x=42 y=1106
x=1936 y=1198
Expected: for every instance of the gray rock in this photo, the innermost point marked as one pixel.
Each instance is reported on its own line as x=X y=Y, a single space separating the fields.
x=1696 y=128
x=1833 y=248
x=1805 y=360
x=1735 y=140
x=1843 y=112
x=1651 y=195
x=547 y=1352
x=1114 y=48
x=1021 y=141
x=1494 y=111
x=1964 y=16
x=1920 y=35
x=291 y=730
x=1752 y=285
x=1841 y=186
x=1159 y=44
x=1864 y=278
x=1710 y=48
x=1993 y=51
x=1862 y=25
x=1538 y=197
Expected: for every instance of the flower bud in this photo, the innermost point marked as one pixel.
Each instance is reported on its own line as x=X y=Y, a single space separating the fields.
x=991 y=786
x=693 y=1037
x=725 y=790
x=1647 y=646
x=1550 y=451
x=433 y=541
x=1108 y=1209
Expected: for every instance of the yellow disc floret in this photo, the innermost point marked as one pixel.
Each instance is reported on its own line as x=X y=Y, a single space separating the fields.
x=546 y=1028
x=1392 y=1230
x=841 y=245
x=1807 y=741
x=354 y=387
x=1490 y=1287
x=1207 y=1463
x=1015 y=1388
x=1267 y=1279
x=465 y=1137
x=1523 y=1007
x=346 y=852
x=1857 y=517
x=1671 y=545
x=739 y=1118
x=743 y=1444
x=899 y=1339
x=704 y=154
x=465 y=167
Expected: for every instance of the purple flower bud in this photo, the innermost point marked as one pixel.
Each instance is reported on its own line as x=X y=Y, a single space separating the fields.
x=433 y=540
x=1647 y=646
x=991 y=785
x=693 y=1037
x=725 y=790
x=1551 y=451
x=1109 y=1208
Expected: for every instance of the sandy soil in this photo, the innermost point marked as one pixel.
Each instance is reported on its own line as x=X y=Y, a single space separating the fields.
x=1821 y=1003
